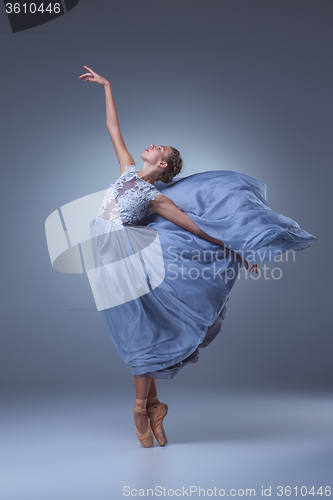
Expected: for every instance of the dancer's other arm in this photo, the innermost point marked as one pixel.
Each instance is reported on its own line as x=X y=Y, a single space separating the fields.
x=112 y=122
x=164 y=206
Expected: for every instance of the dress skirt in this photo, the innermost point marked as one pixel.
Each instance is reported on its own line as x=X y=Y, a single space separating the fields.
x=161 y=289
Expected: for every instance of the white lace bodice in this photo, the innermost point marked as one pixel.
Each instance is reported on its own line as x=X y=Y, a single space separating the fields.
x=126 y=200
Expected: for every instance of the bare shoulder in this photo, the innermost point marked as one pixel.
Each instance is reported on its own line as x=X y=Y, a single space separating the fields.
x=160 y=202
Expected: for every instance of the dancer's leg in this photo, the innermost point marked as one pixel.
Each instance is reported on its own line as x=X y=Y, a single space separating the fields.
x=142 y=386
x=152 y=394
x=152 y=390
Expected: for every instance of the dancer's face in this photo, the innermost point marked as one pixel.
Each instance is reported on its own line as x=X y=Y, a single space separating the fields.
x=155 y=154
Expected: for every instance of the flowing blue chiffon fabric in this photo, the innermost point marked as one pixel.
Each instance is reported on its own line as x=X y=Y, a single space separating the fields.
x=160 y=332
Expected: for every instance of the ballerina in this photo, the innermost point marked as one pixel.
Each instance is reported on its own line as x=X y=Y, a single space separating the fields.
x=160 y=330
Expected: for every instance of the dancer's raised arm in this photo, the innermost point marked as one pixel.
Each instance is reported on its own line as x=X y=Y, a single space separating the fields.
x=112 y=122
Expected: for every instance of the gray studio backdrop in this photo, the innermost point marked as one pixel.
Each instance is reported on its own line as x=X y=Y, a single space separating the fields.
x=243 y=86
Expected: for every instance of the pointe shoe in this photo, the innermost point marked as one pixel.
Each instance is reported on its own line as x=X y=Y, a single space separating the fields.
x=156 y=412
x=146 y=439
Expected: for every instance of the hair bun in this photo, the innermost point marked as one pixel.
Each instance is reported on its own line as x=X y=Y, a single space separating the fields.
x=175 y=164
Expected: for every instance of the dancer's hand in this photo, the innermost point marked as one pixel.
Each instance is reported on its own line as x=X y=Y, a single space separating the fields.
x=253 y=268
x=93 y=77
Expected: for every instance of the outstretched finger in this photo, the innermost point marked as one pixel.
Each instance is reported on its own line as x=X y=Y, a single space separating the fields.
x=252 y=270
x=91 y=71
x=85 y=75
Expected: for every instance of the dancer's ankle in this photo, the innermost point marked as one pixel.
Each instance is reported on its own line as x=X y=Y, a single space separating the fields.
x=140 y=404
x=152 y=400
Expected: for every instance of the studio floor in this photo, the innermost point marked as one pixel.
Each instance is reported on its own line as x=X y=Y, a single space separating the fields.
x=82 y=446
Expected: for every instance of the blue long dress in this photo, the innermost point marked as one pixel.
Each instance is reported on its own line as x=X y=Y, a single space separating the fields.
x=159 y=326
